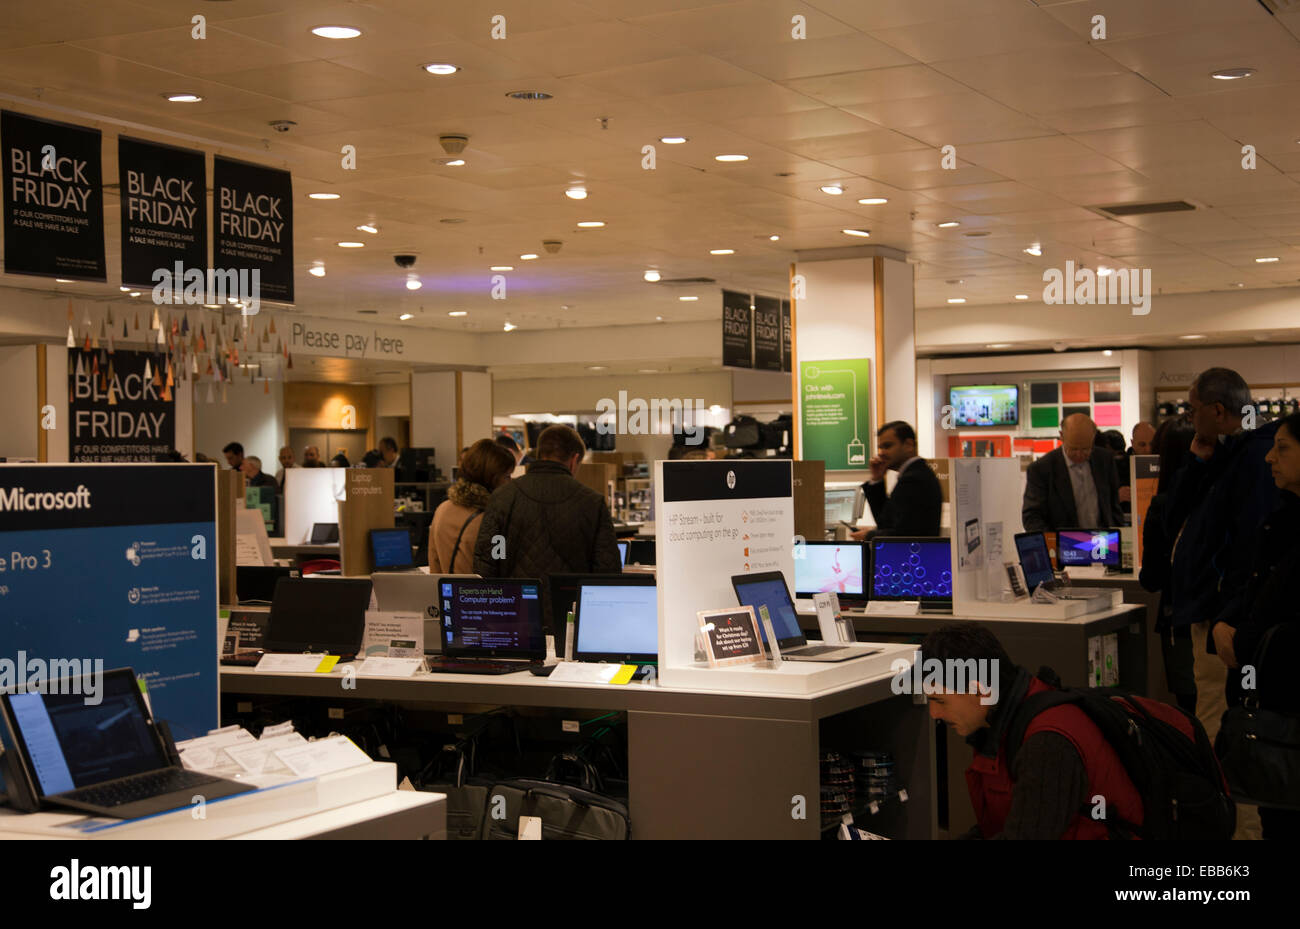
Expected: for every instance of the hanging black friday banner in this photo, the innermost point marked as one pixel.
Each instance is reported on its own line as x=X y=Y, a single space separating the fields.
x=130 y=416
x=252 y=228
x=53 y=198
x=737 y=330
x=767 y=334
x=164 y=210
x=787 y=337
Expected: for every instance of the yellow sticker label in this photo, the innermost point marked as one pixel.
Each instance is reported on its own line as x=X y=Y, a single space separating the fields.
x=327 y=664
x=624 y=674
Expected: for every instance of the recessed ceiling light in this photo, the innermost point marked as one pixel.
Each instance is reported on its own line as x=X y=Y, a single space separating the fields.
x=509 y=327
x=1266 y=260
x=317 y=269
x=125 y=289
x=373 y=230
x=323 y=196
x=1103 y=271
x=212 y=306
x=352 y=245
x=405 y=316
x=688 y=299
x=135 y=293
x=1239 y=284
x=1036 y=250
x=336 y=32
x=722 y=251
x=956 y=299
x=413 y=282
x=1107 y=352
x=458 y=313
x=674 y=139
x=595 y=367
x=731 y=158
x=453 y=163
x=576 y=193
x=529 y=257
x=440 y=68
x=1191 y=338
x=860 y=233
x=593 y=224
x=652 y=275
x=647 y=370
x=529 y=95
x=833 y=189
x=62 y=280
x=948 y=224
x=659 y=319
x=183 y=98
x=502 y=268
x=1231 y=74
x=873 y=201
x=1022 y=296
x=774 y=238
x=998 y=345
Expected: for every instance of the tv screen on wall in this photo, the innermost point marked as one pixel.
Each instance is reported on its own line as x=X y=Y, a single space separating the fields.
x=985 y=405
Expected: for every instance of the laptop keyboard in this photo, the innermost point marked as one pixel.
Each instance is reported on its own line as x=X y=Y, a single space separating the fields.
x=140 y=787
x=811 y=650
x=456 y=664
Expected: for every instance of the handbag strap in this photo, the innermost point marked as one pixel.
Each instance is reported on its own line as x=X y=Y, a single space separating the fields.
x=455 y=549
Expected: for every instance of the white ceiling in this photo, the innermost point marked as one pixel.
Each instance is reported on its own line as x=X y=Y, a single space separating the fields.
x=1047 y=124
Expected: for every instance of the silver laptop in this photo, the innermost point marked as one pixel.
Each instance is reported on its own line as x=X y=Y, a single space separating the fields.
x=413 y=593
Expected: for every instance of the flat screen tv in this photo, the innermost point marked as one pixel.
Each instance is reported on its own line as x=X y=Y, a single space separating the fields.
x=985 y=405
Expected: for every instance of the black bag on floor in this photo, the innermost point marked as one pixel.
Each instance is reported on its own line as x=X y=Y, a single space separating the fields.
x=567 y=810
x=456 y=772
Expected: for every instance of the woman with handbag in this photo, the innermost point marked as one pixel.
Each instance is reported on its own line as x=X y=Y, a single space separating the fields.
x=484 y=468
x=1259 y=635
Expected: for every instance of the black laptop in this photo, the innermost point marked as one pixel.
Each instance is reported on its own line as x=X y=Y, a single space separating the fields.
x=105 y=757
x=313 y=615
x=489 y=625
x=324 y=533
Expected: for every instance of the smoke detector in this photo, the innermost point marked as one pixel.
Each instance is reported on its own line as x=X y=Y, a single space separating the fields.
x=453 y=144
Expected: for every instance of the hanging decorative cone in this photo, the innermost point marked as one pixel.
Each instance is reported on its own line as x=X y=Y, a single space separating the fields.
x=212 y=397
x=162 y=340
x=137 y=322
x=103 y=384
x=194 y=364
x=103 y=357
x=112 y=396
x=202 y=343
x=157 y=377
x=94 y=343
x=86 y=345
x=147 y=370
x=87 y=323
x=70 y=397
x=167 y=395
x=112 y=376
x=266 y=386
x=171 y=378
x=185 y=324
x=110 y=345
x=103 y=329
x=125 y=334
x=72 y=339
x=109 y=318
x=209 y=371
x=155 y=324
x=288 y=360
x=94 y=365
x=81 y=366
x=225 y=395
x=279 y=346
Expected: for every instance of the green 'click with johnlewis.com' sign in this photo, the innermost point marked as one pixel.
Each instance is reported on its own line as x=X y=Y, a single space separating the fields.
x=835 y=412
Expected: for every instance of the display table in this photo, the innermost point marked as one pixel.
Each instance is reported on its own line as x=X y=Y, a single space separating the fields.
x=702 y=765
x=360 y=803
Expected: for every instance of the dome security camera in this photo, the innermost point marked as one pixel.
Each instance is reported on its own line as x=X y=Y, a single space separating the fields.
x=453 y=144
x=404 y=261
x=552 y=246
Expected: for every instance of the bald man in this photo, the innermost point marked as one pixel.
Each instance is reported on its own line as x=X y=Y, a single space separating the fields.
x=1073 y=487
x=1143 y=435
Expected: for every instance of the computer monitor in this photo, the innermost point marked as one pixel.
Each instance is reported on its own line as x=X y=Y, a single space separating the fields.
x=1035 y=560
x=492 y=618
x=325 y=614
x=911 y=569
x=562 y=595
x=641 y=551
x=415 y=465
x=841 y=505
x=1076 y=547
x=324 y=533
x=391 y=548
x=768 y=589
x=622 y=552
x=617 y=620
x=830 y=567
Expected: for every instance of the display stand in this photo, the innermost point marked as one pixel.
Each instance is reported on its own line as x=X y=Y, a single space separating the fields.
x=368 y=505
x=311 y=495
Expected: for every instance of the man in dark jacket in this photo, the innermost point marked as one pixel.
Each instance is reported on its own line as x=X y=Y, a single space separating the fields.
x=916 y=505
x=546 y=522
x=1074 y=486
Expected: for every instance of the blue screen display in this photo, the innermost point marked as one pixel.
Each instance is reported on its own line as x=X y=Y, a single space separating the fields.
x=774 y=595
x=391 y=547
x=911 y=570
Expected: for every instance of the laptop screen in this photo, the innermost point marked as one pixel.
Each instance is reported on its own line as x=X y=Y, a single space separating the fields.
x=1034 y=558
x=326 y=614
x=911 y=569
x=1087 y=546
x=829 y=567
x=492 y=619
x=769 y=590
x=622 y=552
x=324 y=533
x=391 y=548
x=70 y=743
x=617 y=622
x=839 y=505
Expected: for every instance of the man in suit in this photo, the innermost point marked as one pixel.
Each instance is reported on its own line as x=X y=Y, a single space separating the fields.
x=1074 y=486
x=916 y=505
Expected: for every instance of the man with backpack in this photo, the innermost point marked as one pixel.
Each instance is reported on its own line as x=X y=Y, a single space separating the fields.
x=1062 y=764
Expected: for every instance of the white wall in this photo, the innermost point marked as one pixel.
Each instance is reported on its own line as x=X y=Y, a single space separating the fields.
x=476 y=405
x=19 y=414
x=249 y=416
x=392 y=400
x=433 y=415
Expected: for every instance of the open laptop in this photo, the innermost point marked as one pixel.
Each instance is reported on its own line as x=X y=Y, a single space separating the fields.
x=324 y=533
x=617 y=619
x=390 y=550
x=768 y=589
x=107 y=758
x=414 y=593
x=562 y=594
x=325 y=614
x=830 y=567
x=622 y=551
x=1036 y=562
x=489 y=625
x=913 y=568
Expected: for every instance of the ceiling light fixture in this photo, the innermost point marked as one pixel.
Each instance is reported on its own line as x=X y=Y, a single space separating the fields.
x=1107 y=352
x=860 y=233
x=576 y=193
x=529 y=257
x=336 y=32
x=413 y=282
x=502 y=268
x=948 y=224
x=873 y=201
x=722 y=251
x=135 y=293
x=652 y=276
x=509 y=327
x=833 y=189
x=731 y=158
x=405 y=316
x=440 y=68
x=317 y=269
x=321 y=195
x=183 y=98
x=453 y=163
x=125 y=289
x=659 y=319
x=1103 y=271
x=956 y=299
x=774 y=238
x=62 y=280
x=688 y=299
x=1191 y=338
x=1231 y=74
x=1022 y=296
x=529 y=95
x=998 y=345
x=592 y=224
x=1036 y=250
x=674 y=139
x=458 y=313
x=1266 y=260
x=352 y=245
x=595 y=367
x=373 y=230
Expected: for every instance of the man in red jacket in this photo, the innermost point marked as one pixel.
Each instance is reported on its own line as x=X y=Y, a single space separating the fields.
x=1066 y=781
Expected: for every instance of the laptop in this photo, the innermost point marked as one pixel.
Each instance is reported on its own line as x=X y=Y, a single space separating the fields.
x=255 y=584
x=1036 y=563
x=562 y=595
x=390 y=550
x=489 y=625
x=641 y=552
x=768 y=589
x=622 y=552
x=1079 y=547
x=109 y=758
x=830 y=567
x=913 y=568
x=326 y=614
x=324 y=533
x=414 y=593
x=617 y=619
